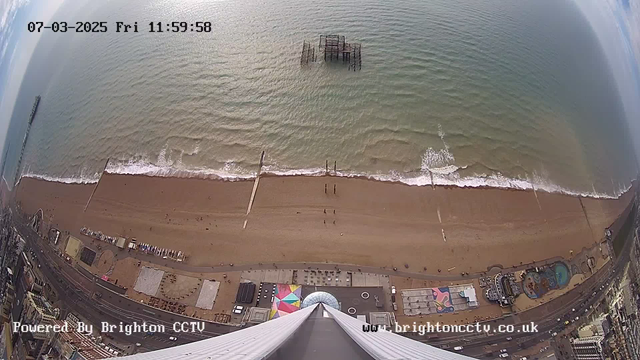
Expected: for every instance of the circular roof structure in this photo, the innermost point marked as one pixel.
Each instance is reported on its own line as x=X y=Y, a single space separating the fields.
x=320 y=297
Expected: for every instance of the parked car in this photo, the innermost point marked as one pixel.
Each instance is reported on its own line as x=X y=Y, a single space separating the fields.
x=393 y=289
x=458 y=348
x=173 y=338
x=503 y=355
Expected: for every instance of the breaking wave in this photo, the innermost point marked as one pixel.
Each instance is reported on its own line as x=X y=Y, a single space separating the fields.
x=84 y=177
x=445 y=176
x=439 y=161
x=229 y=172
x=66 y=180
x=437 y=169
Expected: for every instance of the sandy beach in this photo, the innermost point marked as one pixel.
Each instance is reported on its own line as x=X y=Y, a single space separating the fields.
x=376 y=223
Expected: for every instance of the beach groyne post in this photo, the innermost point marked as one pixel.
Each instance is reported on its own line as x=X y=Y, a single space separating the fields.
x=433 y=186
x=303 y=58
x=533 y=187
x=584 y=211
x=96 y=187
x=254 y=190
x=26 y=136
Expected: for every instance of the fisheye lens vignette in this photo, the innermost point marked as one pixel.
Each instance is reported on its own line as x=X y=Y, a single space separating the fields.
x=286 y=180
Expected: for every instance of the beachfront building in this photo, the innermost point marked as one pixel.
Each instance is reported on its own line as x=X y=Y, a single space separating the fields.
x=502 y=288
x=463 y=296
x=598 y=326
x=317 y=331
x=440 y=300
x=588 y=348
x=7 y=302
x=37 y=310
x=624 y=344
x=71 y=344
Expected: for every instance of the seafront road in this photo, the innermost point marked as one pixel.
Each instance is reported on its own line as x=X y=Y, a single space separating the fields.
x=76 y=293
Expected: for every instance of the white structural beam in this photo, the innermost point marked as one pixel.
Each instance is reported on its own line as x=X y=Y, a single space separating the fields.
x=385 y=345
x=261 y=341
x=255 y=342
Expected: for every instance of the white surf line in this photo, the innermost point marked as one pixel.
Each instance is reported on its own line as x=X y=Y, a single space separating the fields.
x=534 y=192
x=253 y=192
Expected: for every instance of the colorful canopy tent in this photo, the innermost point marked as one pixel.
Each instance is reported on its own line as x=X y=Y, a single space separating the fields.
x=286 y=299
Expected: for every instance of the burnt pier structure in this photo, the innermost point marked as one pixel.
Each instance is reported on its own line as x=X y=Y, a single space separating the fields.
x=308 y=53
x=334 y=46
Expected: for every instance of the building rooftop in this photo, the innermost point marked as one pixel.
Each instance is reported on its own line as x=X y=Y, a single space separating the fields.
x=380 y=318
x=439 y=300
x=84 y=345
x=258 y=315
x=41 y=304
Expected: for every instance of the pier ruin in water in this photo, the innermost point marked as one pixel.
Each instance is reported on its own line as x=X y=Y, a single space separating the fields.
x=333 y=46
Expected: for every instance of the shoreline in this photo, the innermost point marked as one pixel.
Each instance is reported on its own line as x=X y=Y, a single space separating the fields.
x=443 y=182
x=379 y=224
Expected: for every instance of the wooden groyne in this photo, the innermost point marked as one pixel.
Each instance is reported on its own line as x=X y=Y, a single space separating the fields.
x=26 y=136
x=96 y=187
x=255 y=189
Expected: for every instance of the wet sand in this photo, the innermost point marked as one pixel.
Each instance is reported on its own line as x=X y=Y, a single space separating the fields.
x=376 y=223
